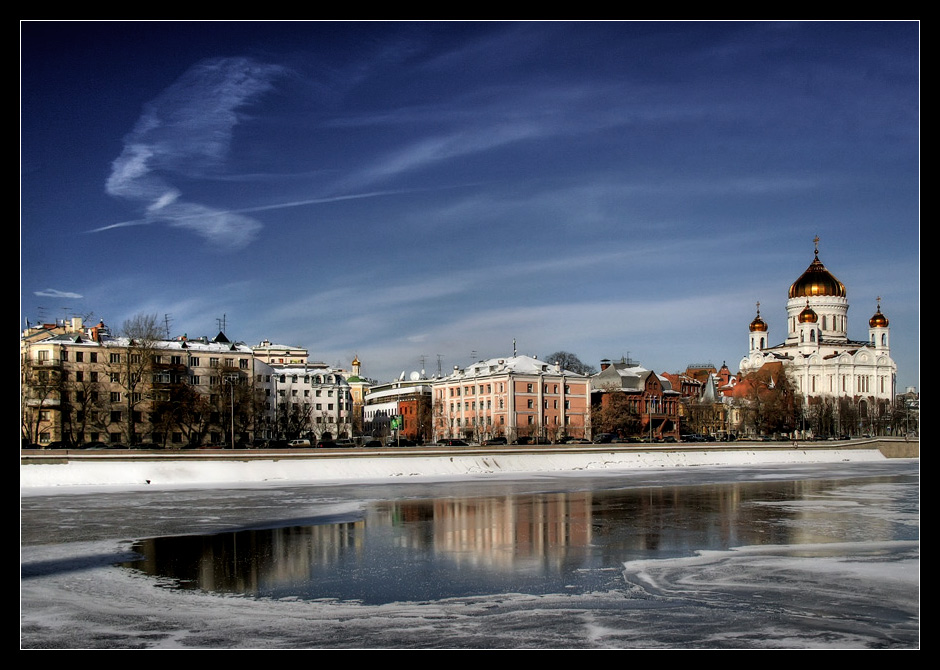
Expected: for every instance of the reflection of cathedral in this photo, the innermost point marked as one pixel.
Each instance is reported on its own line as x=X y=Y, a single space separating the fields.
x=819 y=357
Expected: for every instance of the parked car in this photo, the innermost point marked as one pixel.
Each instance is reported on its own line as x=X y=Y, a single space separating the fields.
x=373 y=444
x=495 y=441
x=345 y=442
x=298 y=443
x=604 y=438
x=453 y=443
x=401 y=442
x=323 y=444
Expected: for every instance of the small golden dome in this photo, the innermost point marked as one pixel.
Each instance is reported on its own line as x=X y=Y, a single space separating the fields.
x=808 y=315
x=758 y=325
x=878 y=320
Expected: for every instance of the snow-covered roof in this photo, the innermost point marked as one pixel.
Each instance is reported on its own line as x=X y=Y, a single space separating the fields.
x=522 y=365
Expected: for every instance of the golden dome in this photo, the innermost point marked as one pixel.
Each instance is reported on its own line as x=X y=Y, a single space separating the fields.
x=758 y=325
x=808 y=315
x=878 y=320
x=817 y=280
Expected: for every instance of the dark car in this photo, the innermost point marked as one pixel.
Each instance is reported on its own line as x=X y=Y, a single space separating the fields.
x=95 y=445
x=401 y=442
x=453 y=443
x=326 y=444
x=604 y=438
x=373 y=444
x=495 y=441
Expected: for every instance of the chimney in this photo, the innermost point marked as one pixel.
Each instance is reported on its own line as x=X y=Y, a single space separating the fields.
x=605 y=363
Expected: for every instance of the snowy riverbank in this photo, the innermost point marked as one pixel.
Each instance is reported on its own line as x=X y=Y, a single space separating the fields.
x=212 y=471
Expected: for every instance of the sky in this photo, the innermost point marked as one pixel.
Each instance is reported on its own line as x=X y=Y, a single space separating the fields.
x=425 y=195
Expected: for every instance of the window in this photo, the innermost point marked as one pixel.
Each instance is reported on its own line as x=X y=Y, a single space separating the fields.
x=135 y=359
x=94 y=357
x=79 y=376
x=243 y=363
x=176 y=360
x=193 y=362
x=528 y=388
x=80 y=356
x=115 y=396
x=115 y=377
x=115 y=358
x=213 y=362
x=530 y=403
x=194 y=380
x=94 y=377
x=115 y=417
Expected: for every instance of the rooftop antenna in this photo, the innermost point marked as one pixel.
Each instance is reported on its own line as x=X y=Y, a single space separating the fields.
x=221 y=323
x=440 y=372
x=166 y=322
x=513 y=347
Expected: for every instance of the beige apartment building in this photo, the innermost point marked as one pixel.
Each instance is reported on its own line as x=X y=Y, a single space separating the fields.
x=83 y=385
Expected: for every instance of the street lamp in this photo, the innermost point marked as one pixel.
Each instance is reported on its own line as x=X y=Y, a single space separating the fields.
x=231 y=379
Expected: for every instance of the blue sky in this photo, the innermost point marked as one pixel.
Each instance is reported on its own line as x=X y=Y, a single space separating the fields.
x=407 y=191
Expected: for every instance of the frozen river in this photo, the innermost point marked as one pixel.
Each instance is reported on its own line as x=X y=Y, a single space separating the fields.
x=775 y=556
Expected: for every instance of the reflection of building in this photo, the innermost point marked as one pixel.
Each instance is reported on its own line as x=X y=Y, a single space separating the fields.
x=643 y=393
x=819 y=358
x=512 y=397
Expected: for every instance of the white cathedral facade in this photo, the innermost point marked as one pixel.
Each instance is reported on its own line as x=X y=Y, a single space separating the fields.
x=820 y=359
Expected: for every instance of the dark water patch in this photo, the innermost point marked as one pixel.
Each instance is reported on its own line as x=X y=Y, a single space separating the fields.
x=531 y=543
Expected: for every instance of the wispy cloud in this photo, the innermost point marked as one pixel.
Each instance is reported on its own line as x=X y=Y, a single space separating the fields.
x=55 y=293
x=186 y=132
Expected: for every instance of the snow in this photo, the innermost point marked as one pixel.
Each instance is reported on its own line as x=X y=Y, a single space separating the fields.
x=37 y=478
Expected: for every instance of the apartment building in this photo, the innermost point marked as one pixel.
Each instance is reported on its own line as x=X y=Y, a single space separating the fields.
x=81 y=385
x=514 y=398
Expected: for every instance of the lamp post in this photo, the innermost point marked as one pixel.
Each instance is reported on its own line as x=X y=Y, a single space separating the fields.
x=231 y=379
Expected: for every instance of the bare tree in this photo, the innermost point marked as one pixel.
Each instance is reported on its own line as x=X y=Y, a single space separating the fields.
x=614 y=413
x=569 y=361
x=135 y=365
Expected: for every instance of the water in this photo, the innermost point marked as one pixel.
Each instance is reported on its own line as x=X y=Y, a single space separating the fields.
x=574 y=542
x=773 y=557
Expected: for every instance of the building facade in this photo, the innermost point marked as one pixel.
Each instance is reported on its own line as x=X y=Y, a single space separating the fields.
x=633 y=401
x=308 y=400
x=399 y=409
x=513 y=398
x=86 y=385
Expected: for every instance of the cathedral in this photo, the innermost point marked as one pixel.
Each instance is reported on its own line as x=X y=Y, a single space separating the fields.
x=818 y=356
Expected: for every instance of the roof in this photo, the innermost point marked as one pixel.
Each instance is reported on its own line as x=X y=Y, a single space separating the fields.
x=520 y=365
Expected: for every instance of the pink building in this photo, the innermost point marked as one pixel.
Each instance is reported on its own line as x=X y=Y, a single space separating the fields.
x=516 y=398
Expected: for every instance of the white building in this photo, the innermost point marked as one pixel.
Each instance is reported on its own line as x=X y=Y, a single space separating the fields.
x=817 y=354
x=304 y=400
